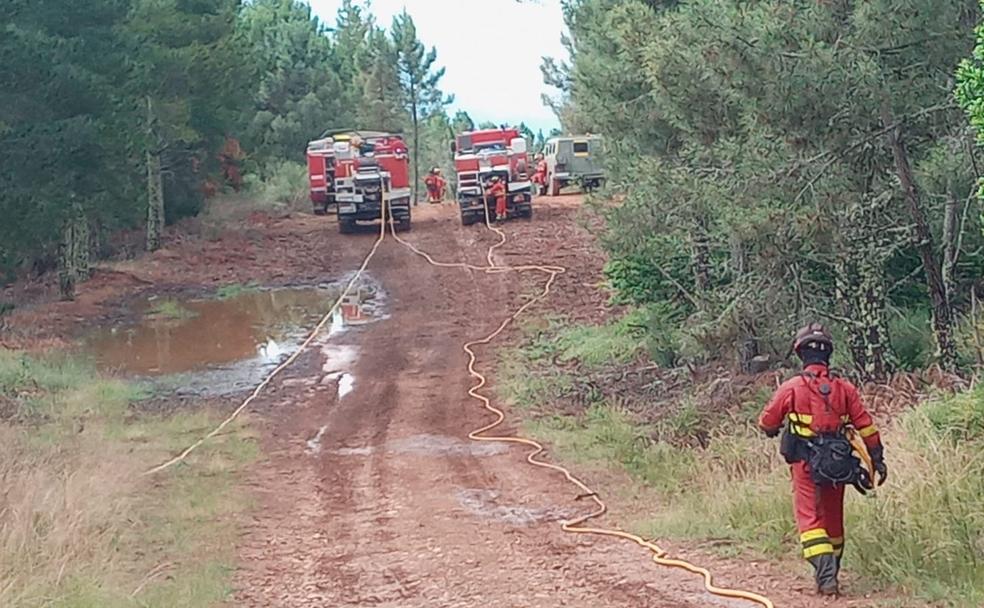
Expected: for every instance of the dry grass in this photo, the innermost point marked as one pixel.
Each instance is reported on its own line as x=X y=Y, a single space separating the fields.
x=922 y=533
x=79 y=526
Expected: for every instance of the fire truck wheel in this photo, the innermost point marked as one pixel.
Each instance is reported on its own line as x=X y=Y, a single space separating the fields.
x=527 y=213
x=346 y=226
x=320 y=211
x=403 y=225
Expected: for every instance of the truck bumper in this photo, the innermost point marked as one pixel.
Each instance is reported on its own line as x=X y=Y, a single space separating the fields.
x=369 y=212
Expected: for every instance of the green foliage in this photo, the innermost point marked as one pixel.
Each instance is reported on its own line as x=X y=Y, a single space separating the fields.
x=418 y=79
x=82 y=528
x=594 y=346
x=300 y=86
x=912 y=339
x=921 y=531
x=281 y=184
x=958 y=418
x=170 y=309
x=229 y=292
x=970 y=85
x=755 y=184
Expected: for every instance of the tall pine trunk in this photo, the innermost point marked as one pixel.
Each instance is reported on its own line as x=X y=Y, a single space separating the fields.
x=416 y=143
x=946 y=351
x=860 y=289
x=73 y=252
x=81 y=244
x=155 y=185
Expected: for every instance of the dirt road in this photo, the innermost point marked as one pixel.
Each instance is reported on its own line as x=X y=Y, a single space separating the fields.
x=377 y=498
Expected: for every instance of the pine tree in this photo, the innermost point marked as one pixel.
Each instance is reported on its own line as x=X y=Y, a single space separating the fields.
x=188 y=79
x=62 y=143
x=419 y=81
x=381 y=106
x=300 y=81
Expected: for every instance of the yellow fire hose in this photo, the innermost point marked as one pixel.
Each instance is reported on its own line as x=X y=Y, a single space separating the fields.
x=576 y=525
x=573 y=526
x=862 y=451
x=325 y=320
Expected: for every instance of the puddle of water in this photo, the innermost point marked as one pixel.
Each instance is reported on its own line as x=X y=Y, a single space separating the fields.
x=200 y=334
x=484 y=503
x=198 y=346
x=338 y=357
x=345 y=385
x=314 y=444
x=432 y=445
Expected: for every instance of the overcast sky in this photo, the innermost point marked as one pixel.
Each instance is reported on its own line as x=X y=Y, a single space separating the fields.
x=473 y=37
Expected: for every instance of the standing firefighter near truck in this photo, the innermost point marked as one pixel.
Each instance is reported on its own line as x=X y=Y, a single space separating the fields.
x=826 y=434
x=497 y=190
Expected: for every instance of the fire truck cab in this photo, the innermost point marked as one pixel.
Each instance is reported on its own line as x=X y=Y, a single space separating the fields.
x=480 y=155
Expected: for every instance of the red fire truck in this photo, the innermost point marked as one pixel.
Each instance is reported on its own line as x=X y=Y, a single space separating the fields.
x=358 y=171
x=481 y=155
x=321 y=173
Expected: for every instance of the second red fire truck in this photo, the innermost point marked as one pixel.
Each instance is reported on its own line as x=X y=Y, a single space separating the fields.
x=480 y=156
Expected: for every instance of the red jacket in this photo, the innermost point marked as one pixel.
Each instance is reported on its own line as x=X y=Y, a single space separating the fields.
x=800 y=402
x=497 y=189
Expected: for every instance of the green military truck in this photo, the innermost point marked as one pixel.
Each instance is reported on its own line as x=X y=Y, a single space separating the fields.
x=573 y=160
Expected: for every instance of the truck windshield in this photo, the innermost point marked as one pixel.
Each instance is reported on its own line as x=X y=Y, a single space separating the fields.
x=490 y=146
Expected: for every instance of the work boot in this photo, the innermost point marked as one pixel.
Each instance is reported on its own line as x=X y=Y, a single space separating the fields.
x=826 y=568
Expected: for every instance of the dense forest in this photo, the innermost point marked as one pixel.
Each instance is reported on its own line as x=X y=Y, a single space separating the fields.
x=120 y=114
x=775 y=161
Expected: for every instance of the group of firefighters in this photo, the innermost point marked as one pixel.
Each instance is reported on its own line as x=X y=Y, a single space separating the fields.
x=495 y=189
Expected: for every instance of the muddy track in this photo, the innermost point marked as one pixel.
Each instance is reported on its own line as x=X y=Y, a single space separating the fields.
x=397 y=508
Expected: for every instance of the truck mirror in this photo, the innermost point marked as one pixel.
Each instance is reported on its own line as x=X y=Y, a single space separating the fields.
x=454 y=147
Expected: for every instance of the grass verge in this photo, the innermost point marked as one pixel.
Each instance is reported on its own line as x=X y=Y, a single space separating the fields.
x=235 y=290
x=79 y=526
x=170 y=309
x=922 y=533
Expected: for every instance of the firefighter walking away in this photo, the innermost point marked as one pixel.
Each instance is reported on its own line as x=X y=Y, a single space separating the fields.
x=826 y=434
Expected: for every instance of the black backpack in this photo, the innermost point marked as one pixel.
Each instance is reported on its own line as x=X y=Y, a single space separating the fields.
x=832 y=461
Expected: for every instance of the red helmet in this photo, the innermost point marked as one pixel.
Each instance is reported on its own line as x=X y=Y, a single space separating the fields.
x=813 y=333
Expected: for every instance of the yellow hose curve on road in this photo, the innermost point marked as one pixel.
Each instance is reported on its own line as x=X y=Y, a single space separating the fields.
x=573 y=526
x=576 y=525
x=287 y=362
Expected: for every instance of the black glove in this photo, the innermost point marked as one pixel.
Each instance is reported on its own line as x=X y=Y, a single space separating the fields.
x=878 y=459
x=882 y=471
x=771 y=432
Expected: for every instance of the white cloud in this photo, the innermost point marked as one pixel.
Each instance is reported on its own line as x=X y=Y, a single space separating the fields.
x=492 y=50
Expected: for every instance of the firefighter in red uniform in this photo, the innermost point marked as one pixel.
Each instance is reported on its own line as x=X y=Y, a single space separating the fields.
x=435 y=186
x=540 y=176
x=817 y=410
x=498 y=190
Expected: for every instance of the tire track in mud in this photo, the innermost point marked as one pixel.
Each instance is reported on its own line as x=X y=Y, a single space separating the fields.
x=408 y=513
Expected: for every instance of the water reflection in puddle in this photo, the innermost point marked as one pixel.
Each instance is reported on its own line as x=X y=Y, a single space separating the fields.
x=199 y=344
